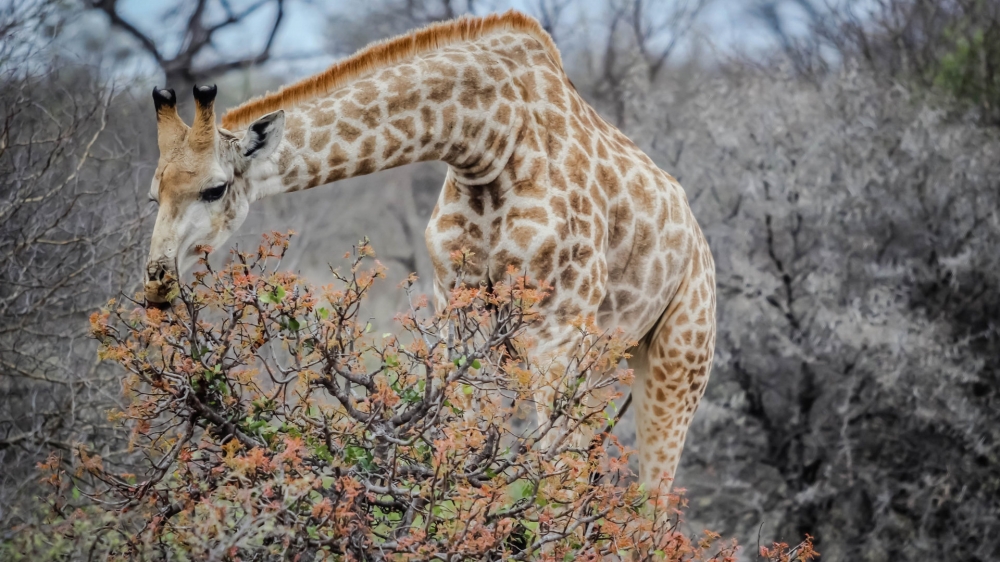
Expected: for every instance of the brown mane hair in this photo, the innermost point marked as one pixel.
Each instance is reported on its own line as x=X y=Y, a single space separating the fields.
x=382 y=53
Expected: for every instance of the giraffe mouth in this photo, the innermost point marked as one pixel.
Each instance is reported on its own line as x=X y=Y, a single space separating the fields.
x=161 y=287
x=159 y=294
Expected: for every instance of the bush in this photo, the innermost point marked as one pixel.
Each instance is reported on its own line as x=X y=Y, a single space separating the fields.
x=950 y=45
x=854 y=392
x=274 y=424
x=71 y=233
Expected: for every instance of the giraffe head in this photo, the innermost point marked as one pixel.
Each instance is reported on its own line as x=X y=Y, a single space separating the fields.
x=202 y=184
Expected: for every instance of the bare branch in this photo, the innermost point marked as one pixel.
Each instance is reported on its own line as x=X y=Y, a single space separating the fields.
x=110 y=8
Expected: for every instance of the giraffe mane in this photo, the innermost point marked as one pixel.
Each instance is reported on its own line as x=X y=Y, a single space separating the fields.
x=383 y=53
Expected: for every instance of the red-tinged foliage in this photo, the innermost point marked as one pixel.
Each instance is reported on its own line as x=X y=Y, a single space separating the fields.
x=780 y=552
x=275 y=425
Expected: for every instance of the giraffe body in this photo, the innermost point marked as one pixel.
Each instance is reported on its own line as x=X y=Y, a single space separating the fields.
x=537 y=180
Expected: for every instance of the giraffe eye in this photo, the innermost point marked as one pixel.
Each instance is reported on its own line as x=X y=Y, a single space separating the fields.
x=213 y=193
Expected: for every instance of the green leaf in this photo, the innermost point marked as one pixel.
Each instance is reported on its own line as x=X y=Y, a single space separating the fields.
x=293 y=325
x=273 y=297
x=476 y=364
x=455 y=410
x=76 y=493
x=323 y=313
x=290 y=430
x=323 y=453
x=360 y=456
x=410 y=395
x=521 y=489
x=445 y=509
x=467 y=390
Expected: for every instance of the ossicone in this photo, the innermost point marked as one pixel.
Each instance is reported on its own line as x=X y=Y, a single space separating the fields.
x=205 y=95
x=169 y=127
x=164 y=98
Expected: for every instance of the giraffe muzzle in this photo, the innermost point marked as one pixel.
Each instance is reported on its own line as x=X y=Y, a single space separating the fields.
x=161 y=285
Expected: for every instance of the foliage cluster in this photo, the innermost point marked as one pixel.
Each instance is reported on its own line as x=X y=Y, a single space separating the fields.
x=273 y=424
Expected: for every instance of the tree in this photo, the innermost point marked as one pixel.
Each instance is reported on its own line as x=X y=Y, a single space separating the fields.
x=199 y=38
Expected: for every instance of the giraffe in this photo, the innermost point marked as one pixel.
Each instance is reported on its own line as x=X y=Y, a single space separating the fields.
x=536 y=180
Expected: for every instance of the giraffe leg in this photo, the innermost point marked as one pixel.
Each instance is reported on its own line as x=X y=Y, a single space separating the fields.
x=593 y=402
x=670 y=377
x=554 y=381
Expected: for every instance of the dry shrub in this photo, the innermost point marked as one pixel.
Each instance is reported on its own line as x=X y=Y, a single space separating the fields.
x=273 y=424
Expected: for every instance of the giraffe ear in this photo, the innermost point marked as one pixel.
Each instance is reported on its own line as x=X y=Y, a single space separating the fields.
x=263 y=136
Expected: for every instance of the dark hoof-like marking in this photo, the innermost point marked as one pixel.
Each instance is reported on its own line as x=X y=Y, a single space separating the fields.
x=205 y=95
x=163 y=98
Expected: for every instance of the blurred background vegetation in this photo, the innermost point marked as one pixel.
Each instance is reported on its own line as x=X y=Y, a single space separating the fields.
x=842 y=157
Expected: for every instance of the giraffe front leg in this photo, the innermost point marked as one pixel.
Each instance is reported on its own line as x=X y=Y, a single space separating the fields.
x=571 y=394
x=551 y=378
x=596 y=395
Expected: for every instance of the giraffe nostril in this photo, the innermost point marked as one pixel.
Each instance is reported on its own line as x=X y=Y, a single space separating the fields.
x=156 y=273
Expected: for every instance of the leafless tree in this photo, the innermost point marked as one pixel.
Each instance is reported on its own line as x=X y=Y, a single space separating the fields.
x=199 y=37
x=637 y=40
x=550 y=14
x=70 y=237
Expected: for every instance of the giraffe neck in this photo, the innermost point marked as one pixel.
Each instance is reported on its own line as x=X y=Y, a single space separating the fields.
x=429 y=108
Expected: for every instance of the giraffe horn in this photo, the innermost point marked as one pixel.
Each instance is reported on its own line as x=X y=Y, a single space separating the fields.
x=203 y=129
x=170 y=129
